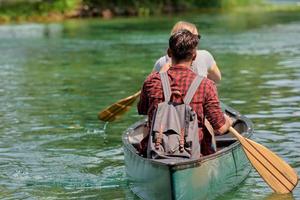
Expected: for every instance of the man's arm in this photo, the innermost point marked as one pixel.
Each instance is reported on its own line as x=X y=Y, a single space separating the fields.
x=214 y=73
x=213 y=111
x=226 y=126
x=143 y=103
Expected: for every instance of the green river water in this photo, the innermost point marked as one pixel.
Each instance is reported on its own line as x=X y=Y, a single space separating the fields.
x=54 y=78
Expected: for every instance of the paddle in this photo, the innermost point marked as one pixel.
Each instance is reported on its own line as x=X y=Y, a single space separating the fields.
x=281 y=177
x=114 y=111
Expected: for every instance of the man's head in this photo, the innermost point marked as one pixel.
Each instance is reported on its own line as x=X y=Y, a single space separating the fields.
x=182 y=25
x=183 y=46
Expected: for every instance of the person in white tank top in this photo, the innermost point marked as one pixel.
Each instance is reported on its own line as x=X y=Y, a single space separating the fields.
x=204 y=64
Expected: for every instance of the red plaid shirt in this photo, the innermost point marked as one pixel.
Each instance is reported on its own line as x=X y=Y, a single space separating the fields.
x=205 y=101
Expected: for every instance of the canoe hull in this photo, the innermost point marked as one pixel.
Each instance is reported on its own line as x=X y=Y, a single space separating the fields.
x=206 y=181
x=212 y=178
x=147 y=179
x=204 y=178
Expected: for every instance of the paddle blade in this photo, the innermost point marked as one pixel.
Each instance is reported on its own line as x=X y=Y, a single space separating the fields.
x=117 y=109
x=280 y=176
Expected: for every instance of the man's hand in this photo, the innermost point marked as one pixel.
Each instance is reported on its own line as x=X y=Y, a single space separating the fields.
x=225 y=127
x=228 y=120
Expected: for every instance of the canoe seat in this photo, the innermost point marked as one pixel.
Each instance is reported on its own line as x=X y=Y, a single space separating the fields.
x=224 y=142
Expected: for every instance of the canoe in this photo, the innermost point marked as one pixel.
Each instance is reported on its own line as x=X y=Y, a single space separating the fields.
x=203 y=178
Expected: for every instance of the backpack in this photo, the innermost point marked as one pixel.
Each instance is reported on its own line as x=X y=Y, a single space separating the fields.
x=174 y=128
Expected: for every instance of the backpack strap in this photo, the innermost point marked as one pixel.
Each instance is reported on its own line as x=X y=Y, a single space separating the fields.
x=165 y=85
x=192 y=89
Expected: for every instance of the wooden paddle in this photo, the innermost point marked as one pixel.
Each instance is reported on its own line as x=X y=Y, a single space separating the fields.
x=280 y=176
x=114 y=111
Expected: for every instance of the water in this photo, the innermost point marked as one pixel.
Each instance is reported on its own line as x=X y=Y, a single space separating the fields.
x=56 y=77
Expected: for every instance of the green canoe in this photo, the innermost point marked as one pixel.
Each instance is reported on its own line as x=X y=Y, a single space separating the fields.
x=203 y=178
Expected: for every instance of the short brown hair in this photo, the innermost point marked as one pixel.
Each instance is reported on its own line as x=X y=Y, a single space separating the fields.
x=183 y=44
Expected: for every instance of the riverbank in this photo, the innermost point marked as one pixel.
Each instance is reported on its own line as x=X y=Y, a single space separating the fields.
x=37 y=11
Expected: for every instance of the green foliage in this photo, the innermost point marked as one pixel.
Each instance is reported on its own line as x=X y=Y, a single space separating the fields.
x=162 y=6
x=239 y=3
x=27 y=8
x=20 y=9
x=59 y=5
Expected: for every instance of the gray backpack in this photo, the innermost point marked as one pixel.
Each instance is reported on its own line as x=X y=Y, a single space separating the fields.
x=174 y=129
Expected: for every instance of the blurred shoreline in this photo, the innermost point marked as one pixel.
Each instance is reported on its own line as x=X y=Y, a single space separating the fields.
x=23 y=11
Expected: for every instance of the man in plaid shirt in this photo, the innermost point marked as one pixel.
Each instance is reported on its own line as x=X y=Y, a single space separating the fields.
x=182 y=50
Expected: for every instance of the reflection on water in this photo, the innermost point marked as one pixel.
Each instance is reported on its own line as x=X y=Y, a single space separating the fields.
x=56 y=77
x=30 y=31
